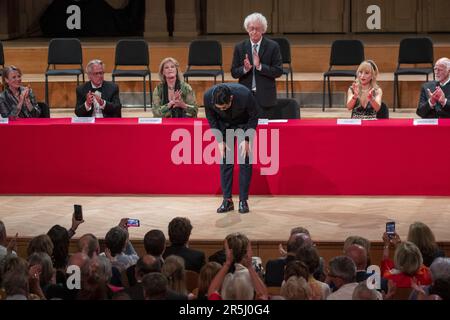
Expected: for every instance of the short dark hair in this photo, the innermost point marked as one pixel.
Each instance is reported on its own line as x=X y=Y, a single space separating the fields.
x=221 y=94
x=310 y=257
x=115 y=240
x=155 y=286
x=179 y=230
x=155 y=242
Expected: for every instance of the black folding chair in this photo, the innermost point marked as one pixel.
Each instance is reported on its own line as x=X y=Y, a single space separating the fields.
x=343 y=53
x=133 y=53
x=64 y=51
x=413 y=51
x=204 y=53
x=285 y=48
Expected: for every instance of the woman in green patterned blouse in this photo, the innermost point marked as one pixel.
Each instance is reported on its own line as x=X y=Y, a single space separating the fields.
x=173 y=98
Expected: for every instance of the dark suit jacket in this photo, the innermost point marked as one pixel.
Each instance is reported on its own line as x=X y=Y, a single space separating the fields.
x=272 y=67
x=243 y=112
x=110 y=93
x=424 y=110
x=193 y=259
x=275 y=270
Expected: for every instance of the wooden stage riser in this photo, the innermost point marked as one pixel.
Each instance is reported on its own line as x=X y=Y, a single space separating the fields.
x=304 y=58
x=265 y=250
x=62 y=94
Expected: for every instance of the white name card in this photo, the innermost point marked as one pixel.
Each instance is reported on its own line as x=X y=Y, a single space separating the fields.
x=354 y=122
x=426 y=122
x=83 y=120
x=4 y=120
x=263 y=121
x=150 y=120
x=278 y=121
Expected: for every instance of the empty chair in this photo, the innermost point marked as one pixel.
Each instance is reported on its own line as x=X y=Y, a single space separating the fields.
x=285 y=48
x=64 y=51
x=204 y=53
x=413 y=51
x=285 y=109
x=133 y=53
x=343 y=53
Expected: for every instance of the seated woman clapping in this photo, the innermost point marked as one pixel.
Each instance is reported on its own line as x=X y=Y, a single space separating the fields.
x=17 y=100
x=173 y=98
x=364 y=97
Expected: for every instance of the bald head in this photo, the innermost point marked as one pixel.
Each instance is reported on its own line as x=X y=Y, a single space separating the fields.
x=297 y=241
x=145 y=265
x=89 y=244
x=358 y=254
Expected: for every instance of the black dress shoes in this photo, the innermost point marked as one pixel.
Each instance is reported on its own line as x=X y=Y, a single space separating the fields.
x=225 y=206
x=243 y=206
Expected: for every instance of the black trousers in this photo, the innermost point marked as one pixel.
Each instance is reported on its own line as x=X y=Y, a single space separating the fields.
x=226 y=177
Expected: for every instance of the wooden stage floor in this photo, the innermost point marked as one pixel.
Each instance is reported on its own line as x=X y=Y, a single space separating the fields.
x=271 y=218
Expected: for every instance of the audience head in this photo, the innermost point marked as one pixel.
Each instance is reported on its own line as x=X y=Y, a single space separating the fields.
x=145 y=265
x=296 y=288
x=237 y=286
x=116 y=240
x=44 y=260
x=440 y=268
x=179 y=231
x=358 y=254
x=300 y=230
x=40 y=243
x=2 y=234
x=362 y=292
x=60 y=239
x=207 y=274
x=238 y=243
x=296 y=268
x=367 y=73
x=169 y=68
x=422 y=236
x=310 y=257
x=441 y=288
x=357 y=240
x=96 y=72
x=342 y=270
x=155 y=243
x=256 y=25
x=15 y=283
x=442 y=69
x=222 y=97
x=89 y=244
x=407 y=258
x=81 y=260
x=298 y=240
x=155 y=286
x=173 y=269
x=12 y=77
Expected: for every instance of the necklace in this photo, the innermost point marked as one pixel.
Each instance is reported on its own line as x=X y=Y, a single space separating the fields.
x=171 y=88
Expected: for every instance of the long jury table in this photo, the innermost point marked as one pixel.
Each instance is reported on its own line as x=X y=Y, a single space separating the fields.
x=316 y=157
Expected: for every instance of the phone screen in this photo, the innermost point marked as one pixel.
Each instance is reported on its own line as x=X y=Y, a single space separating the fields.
x=133 y=223
x=390 y=228
x=78 y=212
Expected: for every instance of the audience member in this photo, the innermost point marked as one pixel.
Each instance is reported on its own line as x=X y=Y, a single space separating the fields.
x=435 y=95
x=364 y=97
x=179 y=232
x=257 y=61
x=17 y=100
x=422 y=236
x=88 y=244
x=97 y=97
x=40 y=243
x=173 y=98
x=342 y=273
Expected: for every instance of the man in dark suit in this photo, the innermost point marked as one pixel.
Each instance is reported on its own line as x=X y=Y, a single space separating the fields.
x=257 y=61
x=179 y=233
x=229 y=107
x=435 y=95
x=98 y=98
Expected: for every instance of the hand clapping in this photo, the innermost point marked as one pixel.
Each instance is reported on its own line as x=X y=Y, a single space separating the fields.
x=247 y=65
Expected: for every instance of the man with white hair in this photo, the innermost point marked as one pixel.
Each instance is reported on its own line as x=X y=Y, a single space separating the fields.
x=435 y=95
x=257 y=61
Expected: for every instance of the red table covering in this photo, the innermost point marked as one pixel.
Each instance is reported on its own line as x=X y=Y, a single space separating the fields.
x=316 y=157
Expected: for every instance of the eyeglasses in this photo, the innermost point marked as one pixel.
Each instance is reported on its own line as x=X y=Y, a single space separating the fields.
x=100 y=73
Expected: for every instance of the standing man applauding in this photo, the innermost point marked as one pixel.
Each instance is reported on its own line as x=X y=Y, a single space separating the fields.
x=257 y=61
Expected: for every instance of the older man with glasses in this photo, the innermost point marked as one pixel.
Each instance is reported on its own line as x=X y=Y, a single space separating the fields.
x=98 y=98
